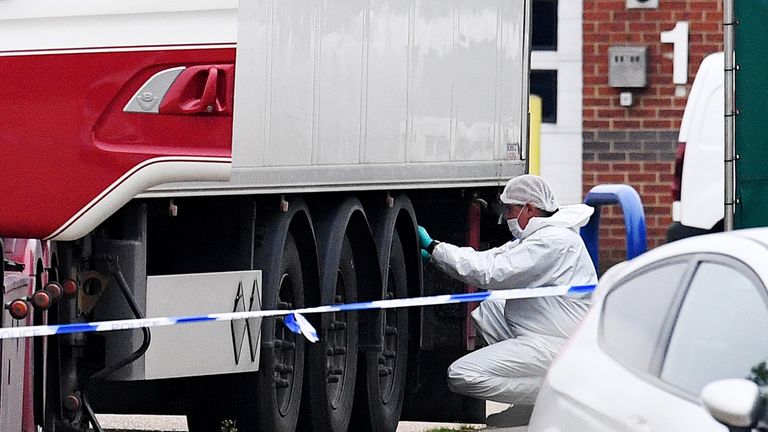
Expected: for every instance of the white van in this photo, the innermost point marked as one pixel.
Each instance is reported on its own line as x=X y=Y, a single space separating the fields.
x=698 y=188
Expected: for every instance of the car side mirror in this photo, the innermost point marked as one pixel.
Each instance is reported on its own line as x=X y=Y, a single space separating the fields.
x=735 y=403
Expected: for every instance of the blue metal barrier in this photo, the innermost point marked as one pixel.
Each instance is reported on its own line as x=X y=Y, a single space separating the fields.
x=634 y=218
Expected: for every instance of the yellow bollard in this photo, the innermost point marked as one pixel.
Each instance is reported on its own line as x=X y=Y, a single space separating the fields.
x=534 y=109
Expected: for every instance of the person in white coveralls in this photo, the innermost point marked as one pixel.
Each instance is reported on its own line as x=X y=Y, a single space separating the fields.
x=524 y=335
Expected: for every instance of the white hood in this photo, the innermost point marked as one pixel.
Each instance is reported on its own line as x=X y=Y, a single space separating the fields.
x=571 y=216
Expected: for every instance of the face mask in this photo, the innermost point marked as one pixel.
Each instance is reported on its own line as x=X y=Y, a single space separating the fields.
x=514 y=226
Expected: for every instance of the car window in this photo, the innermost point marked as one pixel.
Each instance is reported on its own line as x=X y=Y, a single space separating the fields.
x=634 y=314
x=720 y=331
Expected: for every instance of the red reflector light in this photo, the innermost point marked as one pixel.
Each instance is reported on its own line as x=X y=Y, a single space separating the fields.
x=678 y=173
x=54 y=289
x=41 y=300
x=70 y=288
x=18 y=309
x=72 y=403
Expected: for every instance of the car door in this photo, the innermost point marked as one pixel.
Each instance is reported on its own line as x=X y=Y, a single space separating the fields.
x=604 y=380
x=719 y=332
x=714 y=329
x=637 y=318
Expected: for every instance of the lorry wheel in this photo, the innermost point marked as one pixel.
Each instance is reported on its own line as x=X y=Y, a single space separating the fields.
x=267 y=400
x=332 y=362
x=386 y=370
x=279 y=382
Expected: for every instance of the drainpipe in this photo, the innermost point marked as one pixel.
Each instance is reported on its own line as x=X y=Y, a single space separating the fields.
x=729 y=22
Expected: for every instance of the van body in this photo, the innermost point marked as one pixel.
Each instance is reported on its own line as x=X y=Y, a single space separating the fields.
x=699 y=171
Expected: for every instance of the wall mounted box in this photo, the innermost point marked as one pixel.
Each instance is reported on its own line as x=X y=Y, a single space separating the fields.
x=627 y=66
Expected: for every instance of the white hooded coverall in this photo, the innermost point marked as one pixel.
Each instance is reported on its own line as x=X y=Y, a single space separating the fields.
x=523 y=344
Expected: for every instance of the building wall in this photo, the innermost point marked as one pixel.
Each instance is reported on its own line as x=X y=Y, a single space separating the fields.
x=636 y=145
x=561 y=141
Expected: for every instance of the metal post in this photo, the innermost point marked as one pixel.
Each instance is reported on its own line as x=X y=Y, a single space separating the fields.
x=473 y=240
x=730 y=113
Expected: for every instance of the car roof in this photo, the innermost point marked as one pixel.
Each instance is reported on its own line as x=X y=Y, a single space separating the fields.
x=757 y=234
x=709 y=243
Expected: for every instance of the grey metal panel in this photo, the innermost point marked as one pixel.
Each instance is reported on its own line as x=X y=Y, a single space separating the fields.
x=252 y=76
x=430 y=81
x=476 y=57
x=512 y=94
x=627 y=66
x=350 y=178
x=353 y=83
x=203 y=348
x=387 y=81
x=341 y=88
x=290 y=105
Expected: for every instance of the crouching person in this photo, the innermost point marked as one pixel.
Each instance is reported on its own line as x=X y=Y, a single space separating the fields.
x=524 y=335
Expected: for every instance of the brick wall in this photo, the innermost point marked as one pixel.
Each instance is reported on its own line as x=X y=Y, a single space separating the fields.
x=636 y=145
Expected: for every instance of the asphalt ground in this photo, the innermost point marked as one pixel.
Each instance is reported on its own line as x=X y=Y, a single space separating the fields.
x=121 y=423
x=144 y=423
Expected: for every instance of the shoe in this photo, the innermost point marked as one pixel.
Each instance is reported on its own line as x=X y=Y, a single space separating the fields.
x=515 y=415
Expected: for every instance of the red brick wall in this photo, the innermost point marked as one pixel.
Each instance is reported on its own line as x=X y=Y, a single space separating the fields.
x=636 y=145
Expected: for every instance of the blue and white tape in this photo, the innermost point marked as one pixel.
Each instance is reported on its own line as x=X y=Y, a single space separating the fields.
x=294 y=319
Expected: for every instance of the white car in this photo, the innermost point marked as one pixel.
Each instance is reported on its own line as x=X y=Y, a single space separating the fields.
x=662 y=327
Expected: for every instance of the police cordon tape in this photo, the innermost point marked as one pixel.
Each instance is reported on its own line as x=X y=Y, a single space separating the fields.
x=294 y=319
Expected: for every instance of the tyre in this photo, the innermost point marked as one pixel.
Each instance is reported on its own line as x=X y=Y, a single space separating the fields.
x=332 y=363
x=678 y=231
x=267 y=400
x=279 y=383
x=386 y=370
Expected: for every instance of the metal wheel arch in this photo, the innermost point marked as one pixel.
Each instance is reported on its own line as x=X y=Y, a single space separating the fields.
x=275 y=225
x=401 y=217
x=339 y=220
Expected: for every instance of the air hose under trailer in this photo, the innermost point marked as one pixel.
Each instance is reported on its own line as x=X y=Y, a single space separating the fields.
x=113 y=268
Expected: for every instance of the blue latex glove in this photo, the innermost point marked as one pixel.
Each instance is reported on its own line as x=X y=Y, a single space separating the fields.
x=425 y=256
x=424 y=238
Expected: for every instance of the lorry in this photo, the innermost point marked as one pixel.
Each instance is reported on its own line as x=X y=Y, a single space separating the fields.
x=179 y=158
